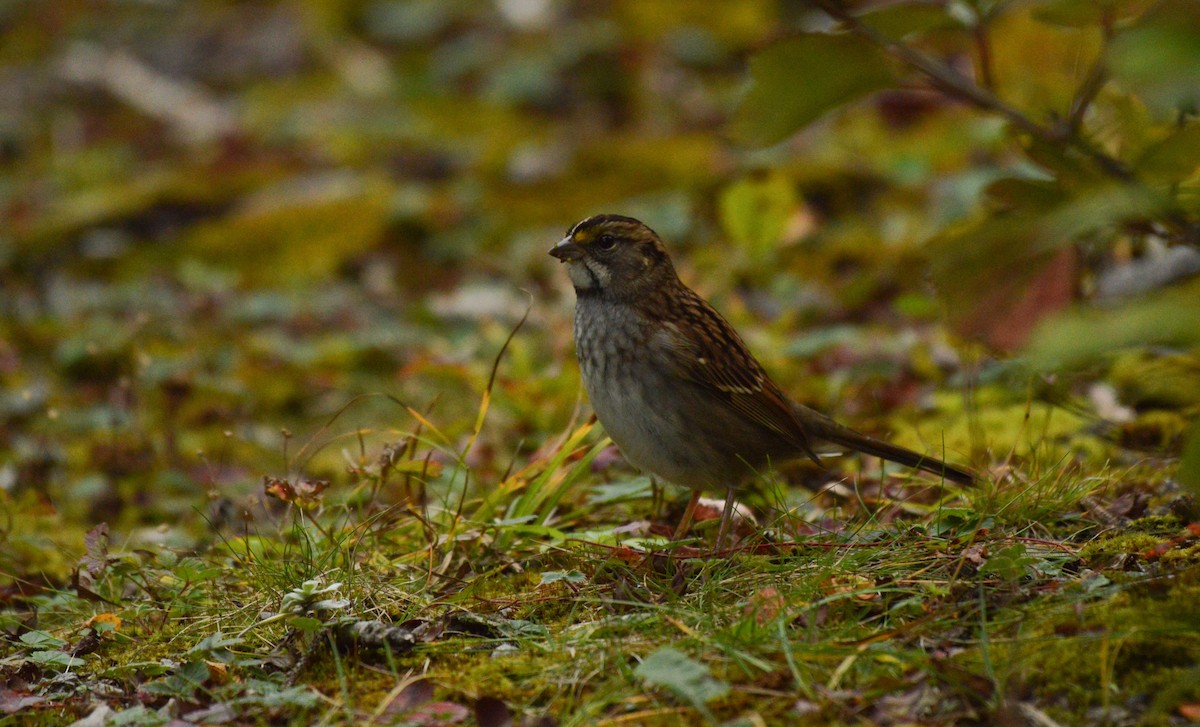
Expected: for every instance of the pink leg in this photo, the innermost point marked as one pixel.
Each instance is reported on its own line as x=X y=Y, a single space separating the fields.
x=726 y=518
x=689 y=512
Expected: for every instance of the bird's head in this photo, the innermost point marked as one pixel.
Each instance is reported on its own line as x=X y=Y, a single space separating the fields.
x=616 y=256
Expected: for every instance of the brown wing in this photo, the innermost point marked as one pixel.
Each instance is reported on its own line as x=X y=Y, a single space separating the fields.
x=704 y=348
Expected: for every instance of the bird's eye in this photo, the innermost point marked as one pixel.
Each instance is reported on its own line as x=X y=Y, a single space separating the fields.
x=606 y=242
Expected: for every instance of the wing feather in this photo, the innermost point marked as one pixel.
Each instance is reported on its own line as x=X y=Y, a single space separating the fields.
x=704 y=349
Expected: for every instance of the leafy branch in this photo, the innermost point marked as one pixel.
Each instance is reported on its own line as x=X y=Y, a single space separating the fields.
x=958 y=86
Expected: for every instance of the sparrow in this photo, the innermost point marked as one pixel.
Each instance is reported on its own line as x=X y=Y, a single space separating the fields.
x=675 y=386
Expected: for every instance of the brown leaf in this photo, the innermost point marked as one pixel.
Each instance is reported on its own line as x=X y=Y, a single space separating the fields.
x=96 y=542
x=305 y=493
x=218 y=672
x=861 y=587
x=976 y=554
x=412 y=696
x=492 y=712
x=279 y=489
x=437 y=713
x=86 y=645
x=13 y=702
x=310 y=492
x=764 y=606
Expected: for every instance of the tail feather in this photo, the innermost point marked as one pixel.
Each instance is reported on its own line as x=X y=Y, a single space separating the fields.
x=822 y=427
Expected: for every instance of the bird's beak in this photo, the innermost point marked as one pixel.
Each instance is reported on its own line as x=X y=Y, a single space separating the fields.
x=567 y=250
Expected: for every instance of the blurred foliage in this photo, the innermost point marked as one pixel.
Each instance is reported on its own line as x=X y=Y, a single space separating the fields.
x=230 y=220
x=1098 y=104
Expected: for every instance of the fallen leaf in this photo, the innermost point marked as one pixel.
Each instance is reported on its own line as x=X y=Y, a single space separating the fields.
x=764 y=606
x=410 y=697
x=13 y=702
x=976 y=554
x=492 y=712
x=96 y=542
x=437 y=713
x=305 y=493
x=111 y=619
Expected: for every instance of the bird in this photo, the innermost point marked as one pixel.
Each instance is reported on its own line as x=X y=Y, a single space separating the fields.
x=675 y=386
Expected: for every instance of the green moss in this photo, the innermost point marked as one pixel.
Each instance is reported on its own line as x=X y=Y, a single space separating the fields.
x=1156 y=524
x=1146 y=379
x=1030 y=431
x=1130 y=649
x=1182 y=556
x=1103 y=550
x=1137 y=538
x=520 y=677
x=1154 y=429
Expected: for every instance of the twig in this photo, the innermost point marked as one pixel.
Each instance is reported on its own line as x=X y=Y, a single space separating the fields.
x=984 y=61
x=1096 y=78
x=956 y=85
x=191 y=111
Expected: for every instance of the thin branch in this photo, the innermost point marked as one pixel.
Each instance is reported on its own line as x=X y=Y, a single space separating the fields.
x=983 y=61
x=1096 y=78
x=954 y=84
x=1084 y=96
x=192 y=112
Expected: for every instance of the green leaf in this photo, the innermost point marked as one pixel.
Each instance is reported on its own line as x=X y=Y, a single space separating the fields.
x=900 y=20
x=139 y=715
x=214 y=644
x=271 y=695
x=1174 y=158
x=1010 y=563
x=796 y=81
x=509 y=522
x=1027 y=194
x=1073 y=13
x=609 y=492
x=554 y=576
x=1085 y=334
x=306 y=624
x=56 y=658
x=687 y=678
x=1189 y=464
x=755 y=211
x=183 y=683
x=1159 y=58
x=41 y=640
x=553 y=535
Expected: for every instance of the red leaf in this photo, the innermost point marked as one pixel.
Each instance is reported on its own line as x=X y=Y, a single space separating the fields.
x=1007 y=314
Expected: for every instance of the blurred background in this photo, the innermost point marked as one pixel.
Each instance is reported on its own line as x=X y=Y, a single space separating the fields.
x=246 y=238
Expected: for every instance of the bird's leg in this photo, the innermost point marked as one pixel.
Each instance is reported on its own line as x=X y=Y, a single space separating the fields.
x=726 y=518
x=685 y=523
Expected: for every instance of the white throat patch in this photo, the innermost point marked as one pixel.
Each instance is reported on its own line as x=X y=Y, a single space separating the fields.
x=587 y=273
